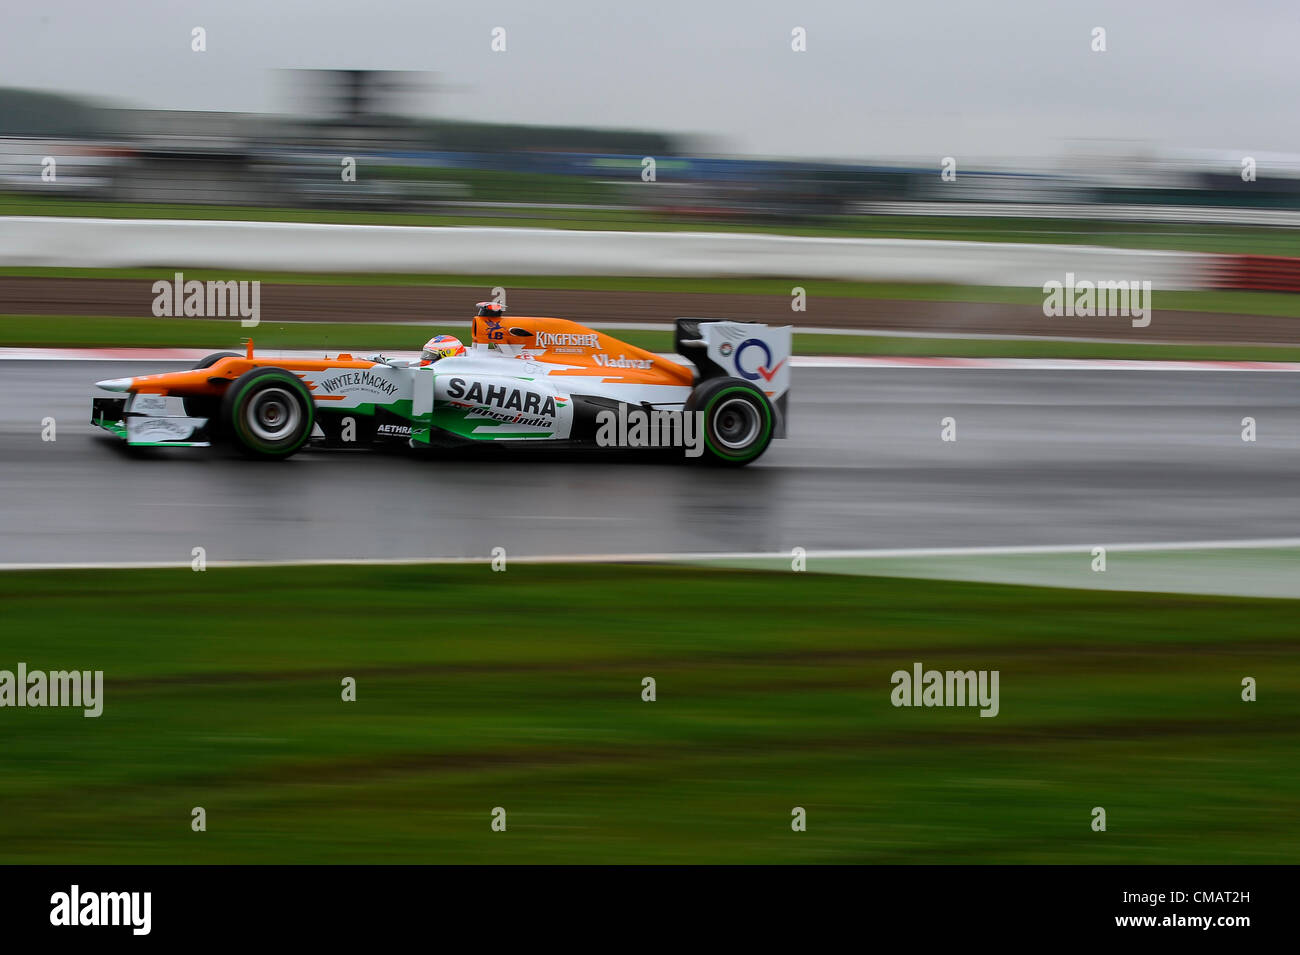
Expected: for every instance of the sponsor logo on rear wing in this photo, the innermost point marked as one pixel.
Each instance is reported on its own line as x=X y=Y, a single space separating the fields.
x=758 y=354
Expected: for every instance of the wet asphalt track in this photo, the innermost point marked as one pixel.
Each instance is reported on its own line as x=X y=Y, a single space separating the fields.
x=1042 y=457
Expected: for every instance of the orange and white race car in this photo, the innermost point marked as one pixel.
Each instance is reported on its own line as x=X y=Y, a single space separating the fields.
x=523 y=380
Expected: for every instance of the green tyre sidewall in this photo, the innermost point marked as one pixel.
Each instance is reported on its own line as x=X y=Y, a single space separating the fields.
x=243 y=390
x=760 y=445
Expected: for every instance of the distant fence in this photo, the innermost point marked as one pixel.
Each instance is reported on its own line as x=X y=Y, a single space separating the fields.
x=313 y=247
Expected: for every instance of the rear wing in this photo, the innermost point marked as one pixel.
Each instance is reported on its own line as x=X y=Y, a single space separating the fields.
x=759 y=354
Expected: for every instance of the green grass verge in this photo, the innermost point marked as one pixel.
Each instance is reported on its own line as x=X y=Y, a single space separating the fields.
x=361 y=337
x=1245 y=572
x=222 y=690
x=1210 y=300
x=1196 y=237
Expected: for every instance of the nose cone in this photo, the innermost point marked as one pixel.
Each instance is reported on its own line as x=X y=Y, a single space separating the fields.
x=115 y=384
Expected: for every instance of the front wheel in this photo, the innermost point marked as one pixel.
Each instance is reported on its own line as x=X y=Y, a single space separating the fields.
x=209 y=360
x=268 y=413
x=208 y=406
x=738 y=420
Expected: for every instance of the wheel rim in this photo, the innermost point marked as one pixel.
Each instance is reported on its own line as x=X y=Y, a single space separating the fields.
x=273 y=414
x=736 y=424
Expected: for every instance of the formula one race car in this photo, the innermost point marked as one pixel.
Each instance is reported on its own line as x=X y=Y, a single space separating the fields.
x=527 y=380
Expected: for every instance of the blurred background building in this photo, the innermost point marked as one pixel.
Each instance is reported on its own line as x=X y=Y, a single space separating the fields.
x=406 y=163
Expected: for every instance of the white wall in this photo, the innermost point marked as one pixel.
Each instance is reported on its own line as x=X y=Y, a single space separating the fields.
x=308 y=247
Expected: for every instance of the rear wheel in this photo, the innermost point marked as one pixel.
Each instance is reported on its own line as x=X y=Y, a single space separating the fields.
x=738 y=420
x=268 y=413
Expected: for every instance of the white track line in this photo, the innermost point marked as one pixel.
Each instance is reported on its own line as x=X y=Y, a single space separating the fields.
x=677 y=558
x=798 y=361
x=912 y=333
x=1041 y=364
x=865 y=333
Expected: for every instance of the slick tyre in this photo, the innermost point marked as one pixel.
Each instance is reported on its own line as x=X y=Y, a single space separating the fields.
x=216 y=356
x=205 y=406
x=268 y=413
x=738 y=421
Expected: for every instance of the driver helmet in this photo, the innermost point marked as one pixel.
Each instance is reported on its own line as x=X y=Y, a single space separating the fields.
x=441 y=346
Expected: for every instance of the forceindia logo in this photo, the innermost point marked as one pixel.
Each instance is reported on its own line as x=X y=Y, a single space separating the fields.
x=764 y=369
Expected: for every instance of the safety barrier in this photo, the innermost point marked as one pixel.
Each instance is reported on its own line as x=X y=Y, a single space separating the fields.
x=315 y=247
x=1273 y=273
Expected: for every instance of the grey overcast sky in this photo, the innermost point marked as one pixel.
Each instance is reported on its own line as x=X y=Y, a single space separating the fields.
x=1012 y=78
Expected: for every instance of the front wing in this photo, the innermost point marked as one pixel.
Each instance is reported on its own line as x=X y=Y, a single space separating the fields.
x=150 y=421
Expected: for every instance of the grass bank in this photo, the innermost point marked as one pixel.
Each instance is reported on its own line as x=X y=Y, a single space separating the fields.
x=523 y=690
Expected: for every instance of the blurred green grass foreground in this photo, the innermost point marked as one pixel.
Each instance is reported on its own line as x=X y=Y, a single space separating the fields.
x=523 y=690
